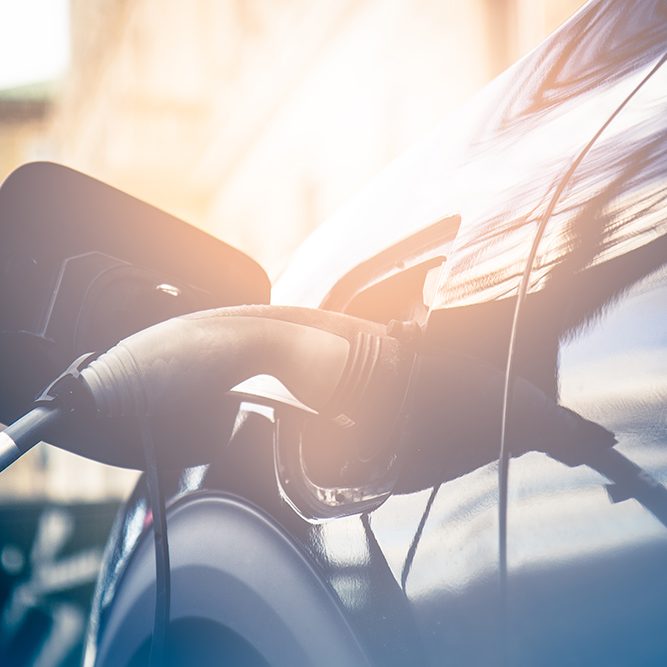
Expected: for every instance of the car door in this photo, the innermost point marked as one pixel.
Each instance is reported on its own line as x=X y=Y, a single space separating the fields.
x=587 y=515
x=546 y=112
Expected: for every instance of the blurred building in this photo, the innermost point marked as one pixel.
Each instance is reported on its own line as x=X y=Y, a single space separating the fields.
x=24 y=124
x=254 y=119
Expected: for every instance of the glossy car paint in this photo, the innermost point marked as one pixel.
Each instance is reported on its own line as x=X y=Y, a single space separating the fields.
x=554 y=280
x=587 y=544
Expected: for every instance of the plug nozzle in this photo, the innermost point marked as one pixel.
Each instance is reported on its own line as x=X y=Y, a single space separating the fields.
x=174 y=377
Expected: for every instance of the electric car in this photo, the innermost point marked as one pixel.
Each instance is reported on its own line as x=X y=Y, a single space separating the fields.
x=510 y=508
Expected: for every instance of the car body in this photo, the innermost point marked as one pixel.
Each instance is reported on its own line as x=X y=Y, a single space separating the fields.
x=528 y=237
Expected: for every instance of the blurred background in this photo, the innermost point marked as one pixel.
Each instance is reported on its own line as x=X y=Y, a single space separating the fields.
x=254 y=119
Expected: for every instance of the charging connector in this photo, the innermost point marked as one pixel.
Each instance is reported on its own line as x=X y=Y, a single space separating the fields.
x=175 y=376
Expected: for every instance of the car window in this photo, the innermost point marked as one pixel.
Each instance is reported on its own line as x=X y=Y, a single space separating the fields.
x=587 y=421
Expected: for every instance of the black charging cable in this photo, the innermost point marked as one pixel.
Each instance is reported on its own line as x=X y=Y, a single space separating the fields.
x=62 y=399
x=161 y=543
